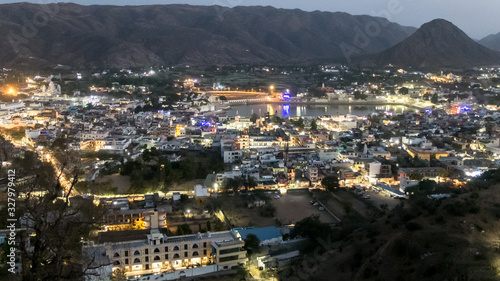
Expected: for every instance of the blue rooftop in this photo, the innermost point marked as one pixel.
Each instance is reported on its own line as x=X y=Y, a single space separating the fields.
x=263 y=233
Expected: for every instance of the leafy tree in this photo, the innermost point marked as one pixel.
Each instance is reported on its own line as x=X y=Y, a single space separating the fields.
x=233 y=184
x=403 y=91
x=434 y=98
x=184 y=229
x=219 y=225
x=276 y=119
x=188 y=167
x=242 y=272
x=119 y=275
x=54 y=251
x=299 y=123
x=423 y=188
x=314 y=126
x=316 y=92
x=312 y=228
x=252 y=244
x=330 y=183
x=360 y=96
x=249 y=183
x=209 y=226
x=254 y=117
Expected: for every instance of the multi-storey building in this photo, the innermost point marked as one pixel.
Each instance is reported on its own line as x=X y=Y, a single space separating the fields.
x=160 y=254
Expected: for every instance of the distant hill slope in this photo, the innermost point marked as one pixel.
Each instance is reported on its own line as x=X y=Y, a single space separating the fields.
x=449 y=239
x=127 y=36
x=438 y=43
x=492 y=41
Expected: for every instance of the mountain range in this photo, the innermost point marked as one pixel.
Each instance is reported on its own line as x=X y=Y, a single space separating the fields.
x=128 y=36
x=138 y=36
x=438 y=43
x=491 y=41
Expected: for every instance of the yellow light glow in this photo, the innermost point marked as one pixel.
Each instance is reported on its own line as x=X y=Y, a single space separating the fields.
x=11 y=91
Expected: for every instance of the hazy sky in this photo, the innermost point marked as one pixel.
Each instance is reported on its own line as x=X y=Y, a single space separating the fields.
x=477 y=18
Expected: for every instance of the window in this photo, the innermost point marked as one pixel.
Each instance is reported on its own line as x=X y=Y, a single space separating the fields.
x=137 y=260
x=157 y=250
x=228 y=251
x=230 y=258
x=185 y=254
x=195 y=254
x=116 y=255
x=185 y=246
x=116 y=263
x=147 y=266
x=166 y=256
x=166 y=249
x=126 y=253
x=204 y=244
x=176 y=256
x=157 y=258
x=136 y=253
x=205 y=252
x=176 y=248
x=146 y=251
x=126 y=261
x=195 y=246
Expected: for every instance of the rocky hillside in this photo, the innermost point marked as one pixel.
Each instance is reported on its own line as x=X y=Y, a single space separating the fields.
x=127 y=36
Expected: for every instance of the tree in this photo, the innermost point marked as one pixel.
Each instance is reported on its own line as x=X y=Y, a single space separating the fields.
x=276 y=119
x=249 y=183
x=252 y=244
x=403 y=91
x=119 y=275
x=422 y=188
x=53 y=251
x=312 y=228
x=188 y=167
x=434 y=99
x=219 y=225
x=314 y=126
x=233 y=184
x=330 y=183
x=209 y=226
x=223 y=98
x=184 y=229
x=254 y=117
x=299 y=123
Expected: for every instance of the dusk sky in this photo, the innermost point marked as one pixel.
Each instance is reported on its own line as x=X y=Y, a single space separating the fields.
x=477 y=18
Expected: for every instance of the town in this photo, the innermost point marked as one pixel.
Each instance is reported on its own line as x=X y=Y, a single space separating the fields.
x=230 y=170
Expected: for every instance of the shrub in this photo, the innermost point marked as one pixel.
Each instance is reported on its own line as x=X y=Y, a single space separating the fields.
x=413 y=226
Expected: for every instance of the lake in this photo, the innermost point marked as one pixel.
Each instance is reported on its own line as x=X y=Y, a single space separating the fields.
x=295 y=110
